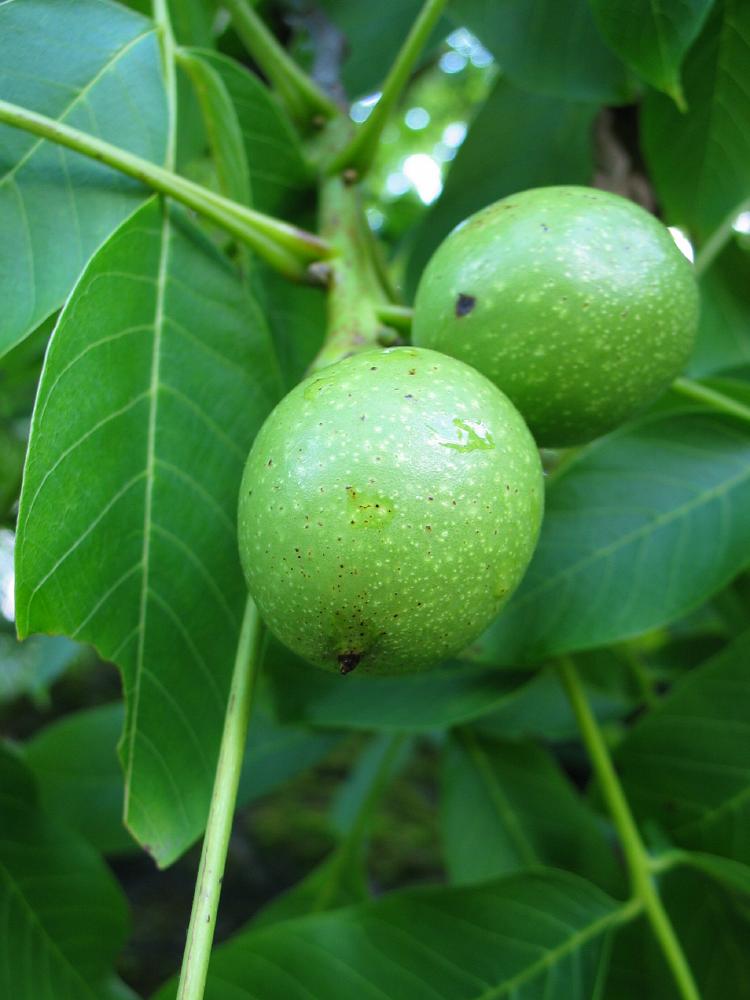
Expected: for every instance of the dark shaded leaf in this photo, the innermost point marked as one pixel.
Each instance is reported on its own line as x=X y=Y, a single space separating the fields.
x=524 y=936
x=686 y=765
x=639 y=528
x=700 y=161
x=652 y=36
x=724 y=329
x=507 y=806
x=549 y=47
x=64 y=916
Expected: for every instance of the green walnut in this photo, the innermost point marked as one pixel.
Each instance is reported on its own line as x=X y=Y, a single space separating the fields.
x=575 y=302
x=389 y=506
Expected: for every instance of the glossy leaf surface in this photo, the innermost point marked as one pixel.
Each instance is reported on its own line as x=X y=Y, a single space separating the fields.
x=660 y=504
x=700 y=160
x=520 y=937
x=158 y=376
x=93 y=65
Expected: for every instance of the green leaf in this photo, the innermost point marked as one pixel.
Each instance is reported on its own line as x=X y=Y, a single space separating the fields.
x=80 y=780
x=727 y=872
x=550 y=140
x=549 y=47
x=30 y=668
x=277 y=753
x=297 y=317
x=507 y=806
x=652 y=36
x=639 y=528
x=338 y=881
x=444 y=696
x=373 y=770
x=341 y=879
x=192 y=21
x=64 y=916
x=278 y=171
x=95 y=66
x=156 y=380
x=724 y=329
x=367 y=53
x=686 y=765
x=221 y=126
x=700 y=161
x=75 y=764
x=711 y=925
x=522 y=937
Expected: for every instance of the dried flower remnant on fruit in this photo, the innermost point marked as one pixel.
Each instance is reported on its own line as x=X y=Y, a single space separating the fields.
x=464 y=304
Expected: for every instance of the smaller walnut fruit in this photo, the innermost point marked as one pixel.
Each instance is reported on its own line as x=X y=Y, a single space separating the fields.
x=573 y=301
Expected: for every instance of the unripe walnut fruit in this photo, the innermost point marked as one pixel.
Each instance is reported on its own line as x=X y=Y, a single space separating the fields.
x=389 y=506
x=574 y=301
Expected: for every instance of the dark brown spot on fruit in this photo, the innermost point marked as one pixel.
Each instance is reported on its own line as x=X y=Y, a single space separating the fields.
x=464 y=304
x=348 y=661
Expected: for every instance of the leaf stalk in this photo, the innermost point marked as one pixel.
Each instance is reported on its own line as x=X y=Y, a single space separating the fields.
x=718 y=239
x=360 y=153
x=639 y=864
x=711 y=397
x=354 y=291
x=221 y=812
x=301 y=95
x=285 y=247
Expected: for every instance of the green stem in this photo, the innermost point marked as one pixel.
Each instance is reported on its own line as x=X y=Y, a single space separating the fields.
x=218 y=828
x=354 y=292
x=301 y=95
x=399 y=317
x=168 y=53
x=712 y=397
x=718 y=240
x=359 y=154
x=285 y=247
x=636 y=856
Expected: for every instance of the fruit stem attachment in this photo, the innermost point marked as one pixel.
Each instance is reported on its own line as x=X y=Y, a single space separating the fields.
x=716 y=400
x=219 y=826
x=303 y=99
x=354 y=291
x=285 y=247
x=639 y=865
x=360 y=152
x=718 y=239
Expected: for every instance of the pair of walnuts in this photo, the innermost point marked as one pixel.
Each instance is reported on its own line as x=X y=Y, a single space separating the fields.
x=391 y=502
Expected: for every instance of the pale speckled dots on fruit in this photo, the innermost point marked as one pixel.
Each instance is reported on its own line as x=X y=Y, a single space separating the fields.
x=574 y=301
x=389 y=506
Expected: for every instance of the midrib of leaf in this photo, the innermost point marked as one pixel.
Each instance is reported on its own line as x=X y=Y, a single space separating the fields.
x=161 y=286
x=658 y=522
x=552 y=956
x=41 y=930
x=82 y=93
x=502 y=807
